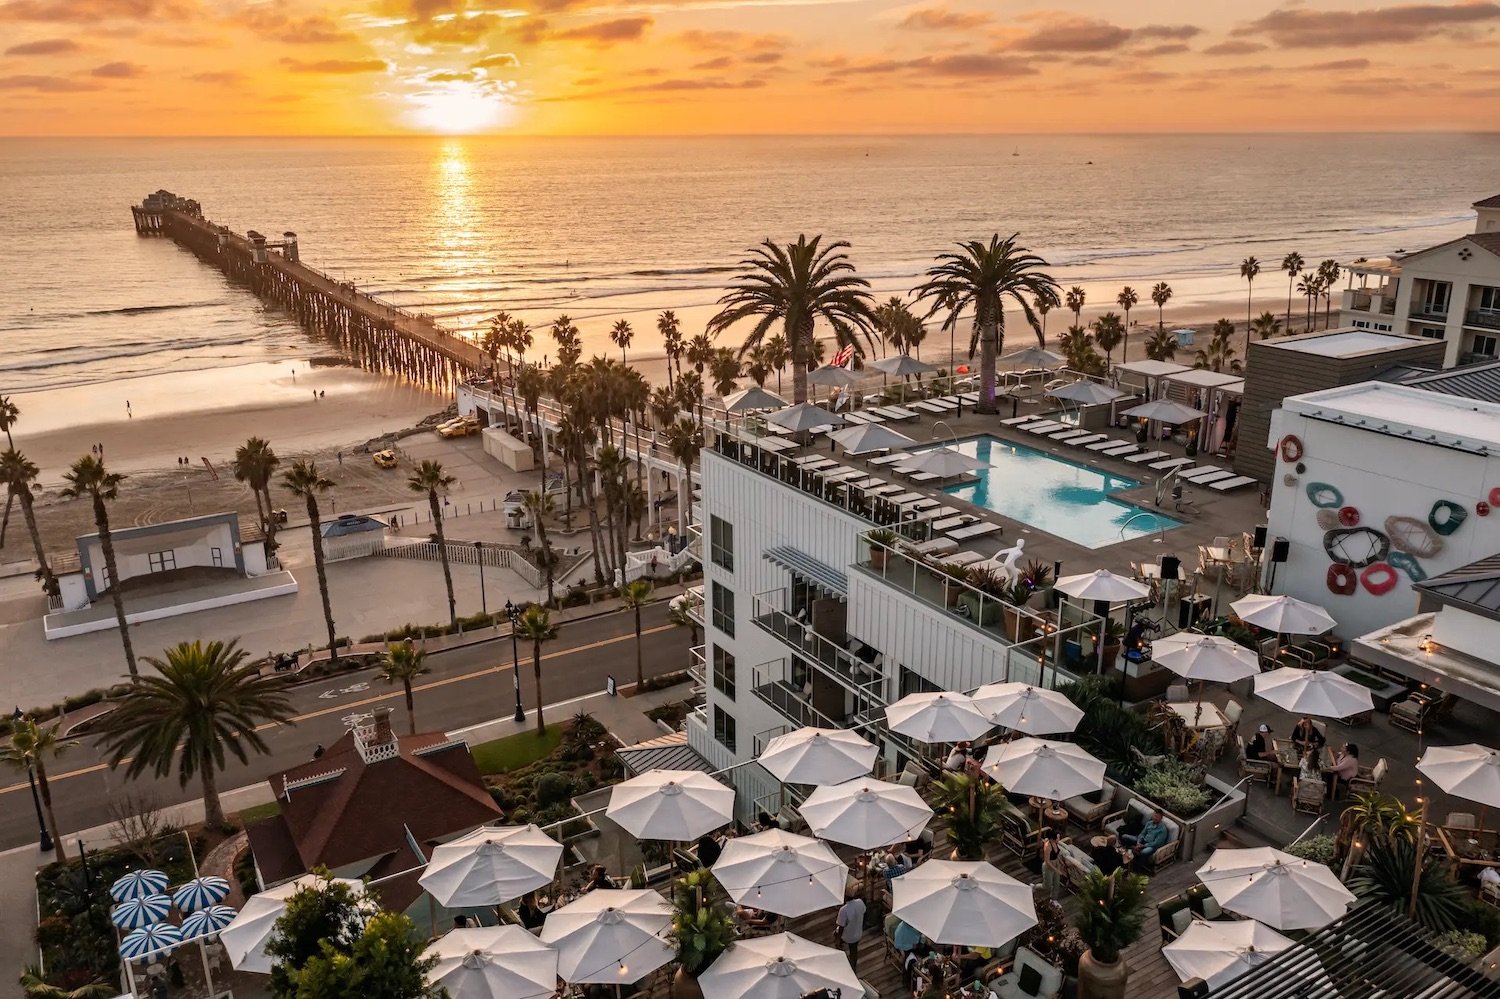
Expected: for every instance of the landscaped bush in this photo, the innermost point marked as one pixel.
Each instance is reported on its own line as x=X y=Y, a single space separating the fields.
x=1113 y=733
x=1175 y=786
x=663 y=682
x=1318 y=849
x=1465 y=946
x=552 y=788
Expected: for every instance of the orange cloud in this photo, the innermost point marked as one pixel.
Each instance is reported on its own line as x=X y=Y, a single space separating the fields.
x=1073 y=34
x=118 y=71
x=336 y=67
x=46 y=46
x=624 y=29
x=943 y=19
x=45 y=84
x=92 y=11
x=275 y=22
x=1300 y=28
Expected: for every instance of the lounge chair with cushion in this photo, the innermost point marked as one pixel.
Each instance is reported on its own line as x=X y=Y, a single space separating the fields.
x=1140 y=811
x=1136 y=459
x=1077 y=864
x=1369 y=780
x=1226 y=485
x=1030 y=977
x=1088 y=810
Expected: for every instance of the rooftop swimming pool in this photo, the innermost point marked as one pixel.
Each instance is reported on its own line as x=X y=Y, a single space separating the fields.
x=1055 y=495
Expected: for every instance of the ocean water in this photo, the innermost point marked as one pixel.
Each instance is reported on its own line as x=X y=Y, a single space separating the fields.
x=605 y=228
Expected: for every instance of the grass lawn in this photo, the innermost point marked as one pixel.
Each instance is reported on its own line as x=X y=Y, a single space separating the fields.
x=515 y=751
x=258 y=812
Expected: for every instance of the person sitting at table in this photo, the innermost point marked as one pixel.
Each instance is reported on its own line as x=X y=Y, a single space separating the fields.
x=1261 y=747
x=922 y=968
x=529 y=913
x=974 y=764
x=916 y=850
x=897 y=863
x=598 y=878
x=1308 y=768
x=1152 y=837
x=764 y=822
x=1105 y=855
x=958 y=757
x=708 y=850
x=1305 y=735
x=970 y=960
x=754 y=919
x=905 y=938
x=1345 y=765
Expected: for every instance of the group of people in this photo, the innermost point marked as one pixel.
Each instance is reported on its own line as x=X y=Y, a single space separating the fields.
x=923 y=964
x=1309 y=742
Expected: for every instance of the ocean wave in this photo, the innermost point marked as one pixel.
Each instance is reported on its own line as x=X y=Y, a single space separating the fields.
x=135 y=310
x=44 y=358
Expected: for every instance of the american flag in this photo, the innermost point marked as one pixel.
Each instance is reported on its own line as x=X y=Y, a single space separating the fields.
x=843 y=357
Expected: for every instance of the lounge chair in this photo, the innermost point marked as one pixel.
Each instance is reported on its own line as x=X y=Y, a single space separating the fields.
x=974 y=530
x=910 y=497
x=897 y=413
x=972 y=398
x=927 y=406
x=1016 y=421
x=1225 y=485
x=1194 y=474
x=937 y=546
x=1217 y=475
x=946 y=405
x=1085 y=440
x=1171 y=463
x=856 y=419
x=1068 y=436
x=1136 y=459
x=1119 y=450
x=952 y=523
x=890 y=459
x=1030 y=977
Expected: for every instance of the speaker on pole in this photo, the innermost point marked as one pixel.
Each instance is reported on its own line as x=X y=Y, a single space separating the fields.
x=1280 y=548
x=1260 y=536
x=1171 y=567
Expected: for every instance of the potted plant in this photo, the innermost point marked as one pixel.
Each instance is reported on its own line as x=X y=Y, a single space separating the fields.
x=880 y=541
x=973 y=806
x=1038 y=576
x=1111 y=913
x=989 y=584
x=702 y=929
x=1114 y=638
x=953 y=576
x=1016 y=620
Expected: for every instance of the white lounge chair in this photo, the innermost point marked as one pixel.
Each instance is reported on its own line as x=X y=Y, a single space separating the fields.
x=1085 y=440
x=1225 y=485
x=927 y=406
x=911 y=497
x=974 y=530
x=1171 y=463
x=972 y=398
x=951 y=523
x=1136 y=459
x=1016 y=421
x=936 y=546
x=1217 y=475
x=890 y=459
x=1201 y=472
x=897 y=413
x=946 y=405
x=1105 y=444
x=1120 y=450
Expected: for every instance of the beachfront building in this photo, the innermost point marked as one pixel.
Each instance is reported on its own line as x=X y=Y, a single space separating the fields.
x=1449 y=292
x=1378 y=486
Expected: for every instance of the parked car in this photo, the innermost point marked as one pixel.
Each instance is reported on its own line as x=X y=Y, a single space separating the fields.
x=385 y=459
x=458 y=428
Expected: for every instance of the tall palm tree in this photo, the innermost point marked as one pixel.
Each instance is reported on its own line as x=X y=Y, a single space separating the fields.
x=898 y=327
x=635 y=595
x=1161 y=294
x=203 y=700
x=1292 y=264
x=403 y=663
x=621 y=334
x=1108 y=332
x=429 y=478
x=531 y=382
x=756 y=368
x=684 y=440
x=796 y=285
x=699 y=352
x=1329 y=273
x=724 y=369
x=536 y=627
x=539 y=506
x=31 y=745
x=18 y=473
x=1310 y=288
x=34 y=986
x=778 y=356
x=1042 y=306
x=1266 y=325
x=1249 y=269
x=1074 y=300
x=1127 y=299
x=88 y=477
x=1217 y=356
x=1161 y=345
x=671 y=338
x=569 y=344
x=254 y=463
x=982 y=276
x=9 y=414
x=306 y=482
x=1077 y=345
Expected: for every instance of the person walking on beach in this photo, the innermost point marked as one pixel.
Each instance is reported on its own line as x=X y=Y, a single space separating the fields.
x=128 y=413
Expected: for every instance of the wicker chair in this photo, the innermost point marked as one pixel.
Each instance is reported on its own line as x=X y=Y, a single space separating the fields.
x=1261 y=770
x=1369 y=780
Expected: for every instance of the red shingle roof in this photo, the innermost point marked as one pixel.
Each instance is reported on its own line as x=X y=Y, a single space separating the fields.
x=1490 y=202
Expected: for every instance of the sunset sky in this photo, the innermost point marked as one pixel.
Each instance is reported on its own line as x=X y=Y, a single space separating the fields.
x=265 y=67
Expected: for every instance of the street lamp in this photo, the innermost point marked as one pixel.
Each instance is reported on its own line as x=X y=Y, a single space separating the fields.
x=36 y=799
x=484 y=603
x=514 y=613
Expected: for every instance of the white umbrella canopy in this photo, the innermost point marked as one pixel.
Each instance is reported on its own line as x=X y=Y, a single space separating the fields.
x=972 y=904
x=1033 y=357
x=1280 y=890
x=491 y=865
x=1044 y=769
x=869 y=437
x=1219 y=952
x=1024 y=708
x=1101 y=584
x=1470 y=772
x=1212 y=658
x=1086 y=392
x=944 y=462
x=782 y=872
x=780 y=966
x=1285 y=615
x=805 y=416
x=493 y=962
x=831 y=375
x=903 y=364
x=866 y=813
x=937 y=716
x=610 y=936
x=1166 y=411
x=818 y=756
x=245 y=939
x=751 y=400
x=670 y=804
x=1313 y=692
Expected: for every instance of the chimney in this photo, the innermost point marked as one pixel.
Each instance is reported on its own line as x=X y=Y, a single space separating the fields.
x=383 y=735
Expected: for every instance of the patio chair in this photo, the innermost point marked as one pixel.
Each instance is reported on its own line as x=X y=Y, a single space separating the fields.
x=1030 y=977
x=1261 y=770
x=1460 y=820
x=1177 y=692
x=1489 y=893
x=1140 y=811
x=1232 y=712
x=1409 y=713
x=1368 y=780
x=1088 y=810
x=1308 y=794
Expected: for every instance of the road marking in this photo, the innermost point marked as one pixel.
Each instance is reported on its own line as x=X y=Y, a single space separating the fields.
x=393 y=695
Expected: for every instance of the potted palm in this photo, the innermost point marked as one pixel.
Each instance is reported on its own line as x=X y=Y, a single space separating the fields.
x=1038 y=577
x=1111 y=913
x=973 y=806
x=880 y=541
x=1114 y=638
x=1016 y=620
x=989 y=584
x=702 y=929
x=953 y=576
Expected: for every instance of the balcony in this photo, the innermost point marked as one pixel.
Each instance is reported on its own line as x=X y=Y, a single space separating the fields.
x=692 y=603
x=698 y=669
x=787 y=688
x=1483 y=318
x=1431 y=313
x=1380 y=301
x=864 y=679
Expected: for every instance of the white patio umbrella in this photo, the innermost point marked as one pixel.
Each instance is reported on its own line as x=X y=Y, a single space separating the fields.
x=869 y=437
x=1033 y=357
x=1165 y=411
x=490 y=865
x=902 y=365
x=805 y=416
x=1024 y=708
x=970 y=904
x=670 y=804
x=1285 y=615
x=866 y=813
x=1101 y=584
x=1219 y=952
x=943 y=462
x=782 y=872
x=1044 y=769
x=780 y=966
x=832 y=376
x=1086 y=393
x=611 y=936
x=245 y=939
x=1470 y=772
x=1212 y=658
x=1280 y=890
x=752 y=399
x=1313 y=692
x=493 y=962
x=818 y=756
x=937 y=716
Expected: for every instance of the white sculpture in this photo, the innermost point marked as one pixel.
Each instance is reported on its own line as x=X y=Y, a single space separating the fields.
x=1003 y=563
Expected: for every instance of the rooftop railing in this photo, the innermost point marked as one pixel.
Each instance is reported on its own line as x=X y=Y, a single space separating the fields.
x=860 y=677
x=1484 y=318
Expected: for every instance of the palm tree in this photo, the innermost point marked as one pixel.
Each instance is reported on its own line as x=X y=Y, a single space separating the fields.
x=1074 y=301
x=18 y=473
x=1217 y=356
x=778 y=354
x=898 y=327
x=1310 y=287
x=756 y=368
x=539 y=506
x=305 y=481
x=1108 y=332
x=635 y=595
x=684 y=440
x=982 y=277
x=88 y=477
x=402 y=664
x=31 y=745
x=569 y=345
x=531 y=382
x=621 y=334
x=254 y=463
x=536 y=627
x=796 y=285
x=1042 y=305
x=1161 y=345
x=1292 y=264
x=1161 y=294
x=1266 y=325
x=9 y=414
x=1329 y=273
x=1249 y=268
x=1077 y=345
x=429 y=478
x=33 y=986
x=1127 y=299
x=723 y=370
x=671 y=338
x=203 y=700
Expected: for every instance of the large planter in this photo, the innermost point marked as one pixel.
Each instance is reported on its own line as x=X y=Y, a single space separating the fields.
x=685 y=986
x=1100 y=980
x=877 y=558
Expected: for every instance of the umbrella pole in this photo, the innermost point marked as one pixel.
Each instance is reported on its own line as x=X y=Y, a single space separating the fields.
x=130 y=975
x=1416 y=871
x=208 y=975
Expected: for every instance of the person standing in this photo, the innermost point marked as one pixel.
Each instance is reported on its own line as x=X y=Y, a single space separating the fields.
x=1052 y=863
x=851 y=926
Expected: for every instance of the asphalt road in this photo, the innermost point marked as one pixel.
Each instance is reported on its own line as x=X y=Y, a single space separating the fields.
x=466 y=686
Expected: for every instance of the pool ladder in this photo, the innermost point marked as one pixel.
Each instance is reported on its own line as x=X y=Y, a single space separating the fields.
x=1161 y=530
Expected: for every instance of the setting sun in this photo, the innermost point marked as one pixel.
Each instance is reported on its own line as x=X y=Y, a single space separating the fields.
x=459 y=109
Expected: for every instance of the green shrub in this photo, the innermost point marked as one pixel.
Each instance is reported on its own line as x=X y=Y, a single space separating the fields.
x=552 y=788
x=1318 y=849
x=83 y=700
x=1462 y=944
x=1175 y=786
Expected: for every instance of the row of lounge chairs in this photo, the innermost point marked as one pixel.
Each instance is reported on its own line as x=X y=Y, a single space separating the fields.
x=1218 y=479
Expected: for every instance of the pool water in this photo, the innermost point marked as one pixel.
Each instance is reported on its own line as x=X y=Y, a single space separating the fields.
x=1054 y=495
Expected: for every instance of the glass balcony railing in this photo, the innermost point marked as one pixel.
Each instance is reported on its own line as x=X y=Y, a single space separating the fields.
x=859 y=676
x=698 y=667
x=787 y=688
x=1484 y=318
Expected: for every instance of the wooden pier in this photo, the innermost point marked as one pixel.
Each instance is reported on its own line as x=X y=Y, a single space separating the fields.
x=378 y=336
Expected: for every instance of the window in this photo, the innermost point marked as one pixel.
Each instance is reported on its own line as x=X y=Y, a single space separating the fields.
x=1430 y=332
x=724 y=672
x=723 y=609
x=1489 y=299
x=1435 y=300
x=217 y=555
x=162 y=561
x=724 y=732
x=1484 y=345
x=721 y=543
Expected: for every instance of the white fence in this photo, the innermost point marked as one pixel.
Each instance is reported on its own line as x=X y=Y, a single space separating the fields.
x=495 y=556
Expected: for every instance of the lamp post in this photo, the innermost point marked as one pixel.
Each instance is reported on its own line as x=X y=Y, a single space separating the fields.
x=484 y=603
x=45 y=838
x=514 y=613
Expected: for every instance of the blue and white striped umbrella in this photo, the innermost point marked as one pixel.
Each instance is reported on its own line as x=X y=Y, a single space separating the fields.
x=200 y=893
x=149 y=940
x=137 y=912
x=138 y=884
x=207 y=922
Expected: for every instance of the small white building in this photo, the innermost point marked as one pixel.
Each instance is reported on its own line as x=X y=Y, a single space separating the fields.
x=1378 y=486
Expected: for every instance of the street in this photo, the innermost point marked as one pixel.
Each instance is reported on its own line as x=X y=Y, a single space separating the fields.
x=466 y=686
